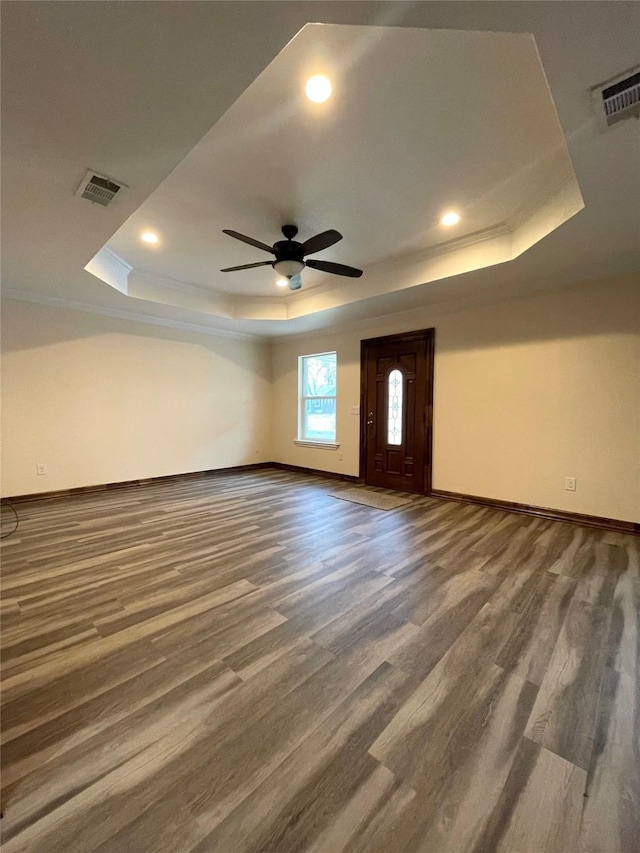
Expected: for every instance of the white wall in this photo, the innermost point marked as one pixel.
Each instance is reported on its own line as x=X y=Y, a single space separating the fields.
x=102 y=400
x=527 y=392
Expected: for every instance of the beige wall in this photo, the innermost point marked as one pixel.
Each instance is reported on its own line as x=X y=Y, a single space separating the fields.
x=526 y=393
x=102 y=400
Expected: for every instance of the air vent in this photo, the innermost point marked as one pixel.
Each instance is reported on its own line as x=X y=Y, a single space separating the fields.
x=618 y=99
x=98 y=189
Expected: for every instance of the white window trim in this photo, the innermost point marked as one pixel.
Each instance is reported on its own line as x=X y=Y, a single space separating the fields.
x=308 y=442
x=325 y=445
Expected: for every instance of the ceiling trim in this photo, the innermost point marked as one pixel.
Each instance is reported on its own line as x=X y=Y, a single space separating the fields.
x=530 y=207
x=150 y=287
x=168 y=108
x=164 y=291
x=510 y=238
x=110 y=268
x=503 y=229
x=432 y=311
x=104 y=311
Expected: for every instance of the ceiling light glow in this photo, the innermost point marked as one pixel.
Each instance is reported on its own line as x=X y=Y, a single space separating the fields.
x=282 y=282
x=450 y=219
x=149 y=237
x=318 y=88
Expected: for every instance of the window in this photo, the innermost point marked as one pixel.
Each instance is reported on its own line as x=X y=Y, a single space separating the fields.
x=394 y=410
x=317 y=413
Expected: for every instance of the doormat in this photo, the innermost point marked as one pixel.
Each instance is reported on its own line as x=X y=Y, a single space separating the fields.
x=377 y=500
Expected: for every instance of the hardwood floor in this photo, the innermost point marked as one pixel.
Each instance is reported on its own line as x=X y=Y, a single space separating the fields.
x=244 y=663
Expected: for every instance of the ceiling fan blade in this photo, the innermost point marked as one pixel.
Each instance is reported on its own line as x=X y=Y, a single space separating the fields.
x=337 y=269
x=247 y=266
x=249 y=240
x=295 y=282
x=321 y=241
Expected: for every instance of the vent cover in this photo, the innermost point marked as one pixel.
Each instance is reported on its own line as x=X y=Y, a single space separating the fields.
x=619 y=98
x=98 y=189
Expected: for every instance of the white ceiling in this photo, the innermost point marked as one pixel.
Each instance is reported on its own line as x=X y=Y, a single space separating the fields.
x=421 y=121
x=197 y=107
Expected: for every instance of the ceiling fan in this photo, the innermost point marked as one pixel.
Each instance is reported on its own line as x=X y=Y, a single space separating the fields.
x=290 y=255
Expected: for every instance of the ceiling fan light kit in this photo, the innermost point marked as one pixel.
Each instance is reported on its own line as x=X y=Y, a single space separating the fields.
x=290 y=255
x=288 y=268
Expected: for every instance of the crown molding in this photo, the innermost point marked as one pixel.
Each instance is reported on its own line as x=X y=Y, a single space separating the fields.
x=502 y=229
x=174 y=284
x=105 y=311
x=115 y=258
x=535 y=204
x=502 y=294
x=230 y=301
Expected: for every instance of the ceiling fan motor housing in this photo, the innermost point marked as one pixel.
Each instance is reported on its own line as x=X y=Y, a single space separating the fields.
x=289 y=253
x=288 y=250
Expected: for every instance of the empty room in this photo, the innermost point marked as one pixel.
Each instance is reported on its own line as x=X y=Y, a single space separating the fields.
x=320 y=427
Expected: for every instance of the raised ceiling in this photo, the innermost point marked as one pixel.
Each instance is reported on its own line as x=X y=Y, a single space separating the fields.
x=200 y=111
x=420 y=122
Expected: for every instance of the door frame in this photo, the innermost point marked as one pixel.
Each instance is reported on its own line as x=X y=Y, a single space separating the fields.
x=428 y=336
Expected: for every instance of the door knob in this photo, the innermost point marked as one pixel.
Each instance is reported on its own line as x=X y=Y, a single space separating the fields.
x=370 y=419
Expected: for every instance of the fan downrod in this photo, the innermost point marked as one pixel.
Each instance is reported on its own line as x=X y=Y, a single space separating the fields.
x=289 y=231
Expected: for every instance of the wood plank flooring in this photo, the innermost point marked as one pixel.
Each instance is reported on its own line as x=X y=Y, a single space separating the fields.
x=244 y=664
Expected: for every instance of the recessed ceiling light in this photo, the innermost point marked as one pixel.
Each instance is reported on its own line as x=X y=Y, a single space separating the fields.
x=282 y=282
x=450 y=219
x=318 y=88
x=149 y=237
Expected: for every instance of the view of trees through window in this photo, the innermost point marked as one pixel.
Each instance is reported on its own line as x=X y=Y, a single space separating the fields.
x=318 y=397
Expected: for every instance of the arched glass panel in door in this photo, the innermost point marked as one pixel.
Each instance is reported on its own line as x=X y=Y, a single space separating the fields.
x=395 y=381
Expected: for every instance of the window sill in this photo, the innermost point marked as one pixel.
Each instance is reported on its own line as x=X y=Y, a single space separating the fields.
x=323 y=445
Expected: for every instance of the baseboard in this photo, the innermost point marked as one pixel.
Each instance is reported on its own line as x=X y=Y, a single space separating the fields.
x=510 y=506
x=543 y=512
x=126 y=484
x=330 y=475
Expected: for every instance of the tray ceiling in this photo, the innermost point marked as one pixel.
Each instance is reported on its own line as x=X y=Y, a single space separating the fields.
x=413 y=129
x=420 y=122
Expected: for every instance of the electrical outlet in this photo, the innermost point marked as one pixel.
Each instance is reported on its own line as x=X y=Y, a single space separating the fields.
x=41 y=468
x=340 y=456
x=570 y=484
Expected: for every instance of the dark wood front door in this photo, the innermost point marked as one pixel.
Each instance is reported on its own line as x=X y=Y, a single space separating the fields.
x=396 y=411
